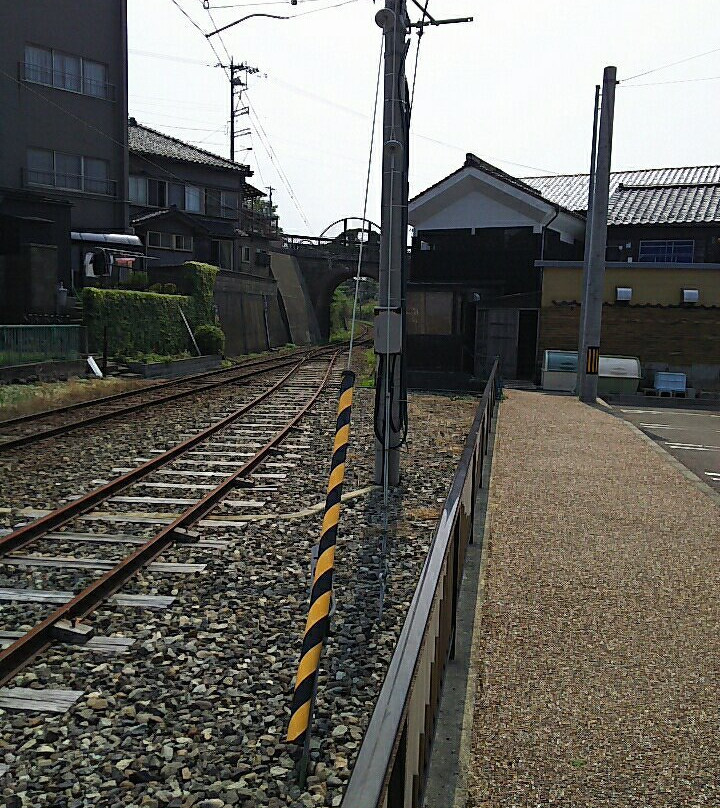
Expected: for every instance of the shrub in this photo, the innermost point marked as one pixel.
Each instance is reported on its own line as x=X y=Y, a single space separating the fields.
x=156 y=287
x=169 y=288
x=210 y=339
x=138 y=281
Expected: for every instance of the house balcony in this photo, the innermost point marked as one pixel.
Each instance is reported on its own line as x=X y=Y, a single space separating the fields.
x=259 y=224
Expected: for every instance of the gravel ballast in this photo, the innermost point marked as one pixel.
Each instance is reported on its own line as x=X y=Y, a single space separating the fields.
x=599 y=661
x=195 y=714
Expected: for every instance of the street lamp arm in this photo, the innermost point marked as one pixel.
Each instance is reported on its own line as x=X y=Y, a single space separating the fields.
x=242 y=19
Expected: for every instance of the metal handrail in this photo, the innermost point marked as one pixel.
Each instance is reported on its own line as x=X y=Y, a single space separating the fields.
x=70 y=182
x=392 y=762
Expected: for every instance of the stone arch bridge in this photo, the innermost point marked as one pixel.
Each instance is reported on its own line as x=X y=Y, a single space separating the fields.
x=321 y=264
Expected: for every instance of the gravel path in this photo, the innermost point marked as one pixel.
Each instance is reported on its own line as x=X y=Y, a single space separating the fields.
x=599 y=664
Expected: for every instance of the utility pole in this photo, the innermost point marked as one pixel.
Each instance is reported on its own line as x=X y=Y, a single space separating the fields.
x=270 y=190
x=391 y=402
x=588 y=239
x=389 y=420
x=238 y=82
x=598 y=242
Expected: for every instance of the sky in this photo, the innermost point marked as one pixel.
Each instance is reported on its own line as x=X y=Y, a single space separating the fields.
x=515 y=87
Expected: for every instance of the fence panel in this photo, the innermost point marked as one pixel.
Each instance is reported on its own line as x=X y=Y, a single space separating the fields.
x=393 y=761
x=23 y=344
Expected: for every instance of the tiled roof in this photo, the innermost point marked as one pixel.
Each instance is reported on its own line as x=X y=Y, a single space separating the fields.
x=648 y=196
x=145 y=141
x=472 y=161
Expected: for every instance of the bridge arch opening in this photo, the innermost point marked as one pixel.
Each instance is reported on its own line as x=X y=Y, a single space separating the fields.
x=341 y=305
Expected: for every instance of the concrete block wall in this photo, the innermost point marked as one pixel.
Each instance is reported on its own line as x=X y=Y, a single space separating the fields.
x=677 y=338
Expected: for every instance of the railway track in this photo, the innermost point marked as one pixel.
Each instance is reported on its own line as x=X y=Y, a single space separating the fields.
x=248 y=450
x=25 y=430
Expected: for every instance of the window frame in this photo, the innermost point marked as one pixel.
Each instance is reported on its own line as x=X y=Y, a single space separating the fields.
x=174 y=237
x=57 y=77
x=200 y=198
x=227 y=211
x=159 y=183
x=140 y=179
x=670 y=247
x=83 y=178
x=219 y=242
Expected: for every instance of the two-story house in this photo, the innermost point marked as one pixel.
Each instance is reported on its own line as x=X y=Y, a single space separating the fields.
x=190 y=204
x=64 y=157
x=497 y=261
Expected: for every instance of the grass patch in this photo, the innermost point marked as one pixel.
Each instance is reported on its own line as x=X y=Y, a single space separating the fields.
x=366 y=368
x=25 y=399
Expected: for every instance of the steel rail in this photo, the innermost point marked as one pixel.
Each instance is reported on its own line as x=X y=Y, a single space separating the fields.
x=34 y=530
x=22 y=651
x=151 y=388
x=61 y=429
x=271 y=364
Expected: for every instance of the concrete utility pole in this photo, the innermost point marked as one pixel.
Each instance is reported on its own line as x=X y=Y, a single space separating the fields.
x=238 y=82
x=598 y=242
x=389 y=426
x=588 y=239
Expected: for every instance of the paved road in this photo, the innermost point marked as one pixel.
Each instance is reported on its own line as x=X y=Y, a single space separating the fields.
x=692 y=436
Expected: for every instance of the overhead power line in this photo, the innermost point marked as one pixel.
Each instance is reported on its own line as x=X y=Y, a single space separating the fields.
x=670 y=64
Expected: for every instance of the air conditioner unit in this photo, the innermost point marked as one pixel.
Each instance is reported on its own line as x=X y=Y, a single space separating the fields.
x=623 y=294
x=690 y=295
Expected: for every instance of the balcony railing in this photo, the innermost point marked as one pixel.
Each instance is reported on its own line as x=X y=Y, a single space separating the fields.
x=72 y=82
x=70 y=182
x=259 y=223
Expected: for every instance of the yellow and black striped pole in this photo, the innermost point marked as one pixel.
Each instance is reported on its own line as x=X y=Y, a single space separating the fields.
x=318 y=619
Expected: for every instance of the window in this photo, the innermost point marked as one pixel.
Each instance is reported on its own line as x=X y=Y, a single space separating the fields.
x=176 y=195
x=246 y=255
x=95 y=174
x=157 y=193
x=170 y=241
x=229 y=204
x=66 y=72
x=138 y=190
x=95 y=78
x=38 y=65
x=193 y=199
x=667 y=252
x=212 y=202
x=41 y=167
x=68 y=171
x=221 y=253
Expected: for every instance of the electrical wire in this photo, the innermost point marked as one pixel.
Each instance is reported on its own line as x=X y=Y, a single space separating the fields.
x=365 y=204
x=670 y=64
x=275 y=160
x=417 y=53
x=676 y=81
x=164 y=171
x=264 y=138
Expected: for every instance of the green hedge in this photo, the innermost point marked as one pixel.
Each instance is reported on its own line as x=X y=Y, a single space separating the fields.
x=147 y=322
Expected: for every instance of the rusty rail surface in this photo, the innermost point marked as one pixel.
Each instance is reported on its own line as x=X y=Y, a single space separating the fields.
x=243 y=372
x=14 y=658
x=393 y=761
